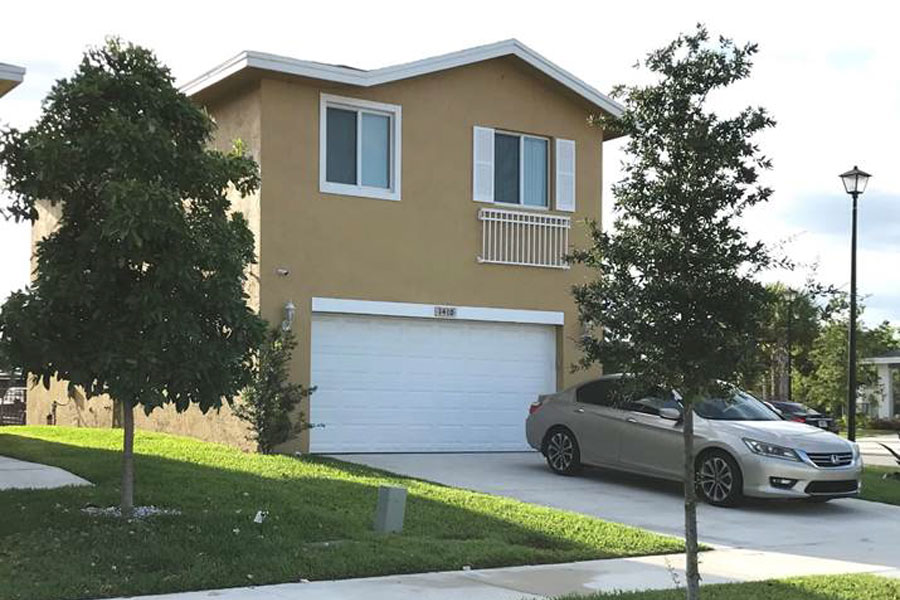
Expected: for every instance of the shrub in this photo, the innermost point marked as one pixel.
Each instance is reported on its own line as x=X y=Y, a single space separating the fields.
x=266 y=404
x=886 y=424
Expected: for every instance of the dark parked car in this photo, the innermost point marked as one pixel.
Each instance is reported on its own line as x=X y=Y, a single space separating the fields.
x=800 y=413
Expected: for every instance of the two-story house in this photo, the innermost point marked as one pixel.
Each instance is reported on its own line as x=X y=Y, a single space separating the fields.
x=412 y=227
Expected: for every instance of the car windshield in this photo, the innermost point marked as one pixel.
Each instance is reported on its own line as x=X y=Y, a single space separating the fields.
x=738 y=406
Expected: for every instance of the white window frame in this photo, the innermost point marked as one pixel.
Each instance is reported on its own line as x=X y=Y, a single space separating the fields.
x=392 y=111
x=522 y=137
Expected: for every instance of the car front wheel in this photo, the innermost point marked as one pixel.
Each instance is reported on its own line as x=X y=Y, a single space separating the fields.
x=719 y=480
x=561 y=450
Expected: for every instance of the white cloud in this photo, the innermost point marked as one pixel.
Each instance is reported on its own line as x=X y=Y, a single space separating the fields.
x=828 y=77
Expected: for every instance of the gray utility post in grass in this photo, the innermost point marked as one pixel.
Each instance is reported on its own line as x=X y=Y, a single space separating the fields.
x=391 y=509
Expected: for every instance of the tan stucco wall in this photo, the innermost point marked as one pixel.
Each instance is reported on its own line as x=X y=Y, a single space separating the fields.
x=423 y=248
x=238 y=117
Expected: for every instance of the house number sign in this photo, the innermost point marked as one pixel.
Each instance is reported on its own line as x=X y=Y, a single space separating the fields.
x=445 y=312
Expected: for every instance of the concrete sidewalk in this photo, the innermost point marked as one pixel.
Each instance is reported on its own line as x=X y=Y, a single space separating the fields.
x=875 y=454
x=18 y=474
x=547 y=581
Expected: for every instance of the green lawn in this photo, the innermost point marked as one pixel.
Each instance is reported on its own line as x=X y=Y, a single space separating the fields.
x=878 y=489
x=319 y=525
x=840 y=587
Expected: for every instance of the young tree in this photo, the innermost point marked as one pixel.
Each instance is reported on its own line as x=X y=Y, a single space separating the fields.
x=267 y=402
x=824 y=385
x=673 y=286
x=790 y=323
x=138 y=292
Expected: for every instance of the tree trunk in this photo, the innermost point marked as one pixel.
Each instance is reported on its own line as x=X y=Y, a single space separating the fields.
x=127 y=502
x=692 y=571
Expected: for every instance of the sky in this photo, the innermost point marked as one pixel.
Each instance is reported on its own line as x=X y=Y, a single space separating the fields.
x=827 y=72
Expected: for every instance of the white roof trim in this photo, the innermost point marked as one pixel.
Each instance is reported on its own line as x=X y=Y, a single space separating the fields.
x=12 y=73
x=346 y=75
x=881 y=360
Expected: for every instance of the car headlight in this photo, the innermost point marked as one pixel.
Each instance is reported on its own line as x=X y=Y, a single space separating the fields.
x=855 y=447
x=771 y=450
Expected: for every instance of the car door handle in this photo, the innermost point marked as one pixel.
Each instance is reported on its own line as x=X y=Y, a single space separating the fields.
x=579 y=410
x=631 y=420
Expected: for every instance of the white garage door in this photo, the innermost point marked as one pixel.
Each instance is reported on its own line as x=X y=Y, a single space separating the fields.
x=388 y=384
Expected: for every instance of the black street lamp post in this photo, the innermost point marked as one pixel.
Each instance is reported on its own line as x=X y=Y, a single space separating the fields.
x=791 y=294
x=855 y=184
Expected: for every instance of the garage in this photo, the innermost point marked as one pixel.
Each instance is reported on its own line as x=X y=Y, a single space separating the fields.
x=393 y=383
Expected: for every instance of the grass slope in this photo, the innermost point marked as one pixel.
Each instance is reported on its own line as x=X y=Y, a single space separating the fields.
x=319 y=525
x=838 y=587
x=878 y=489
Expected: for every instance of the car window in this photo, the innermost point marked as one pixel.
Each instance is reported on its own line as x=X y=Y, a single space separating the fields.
x=603 y=392
x=651 y=403
x=736 y=406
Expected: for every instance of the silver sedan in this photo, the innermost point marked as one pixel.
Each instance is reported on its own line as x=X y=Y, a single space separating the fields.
x=743 y=448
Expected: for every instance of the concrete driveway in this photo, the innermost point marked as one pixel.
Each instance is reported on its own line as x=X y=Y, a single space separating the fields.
x=847 y=529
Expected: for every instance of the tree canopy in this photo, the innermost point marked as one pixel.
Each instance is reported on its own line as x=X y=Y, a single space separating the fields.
x=138 y=290
x=674 y=296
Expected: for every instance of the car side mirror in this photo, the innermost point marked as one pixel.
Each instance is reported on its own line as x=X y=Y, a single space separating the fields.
x=670 y=414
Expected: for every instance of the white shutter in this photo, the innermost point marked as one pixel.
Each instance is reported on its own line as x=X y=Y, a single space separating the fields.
x=483 y=164
x=565 y=175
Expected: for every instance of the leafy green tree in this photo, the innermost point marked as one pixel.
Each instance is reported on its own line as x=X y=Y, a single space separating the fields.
x=824 y=386
x=138 y=292
x=791 y=322
x=268 y=401
x=673 y=287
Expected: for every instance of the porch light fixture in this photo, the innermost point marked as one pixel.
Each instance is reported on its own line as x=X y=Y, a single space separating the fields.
x=855 y=182
x=289 y=311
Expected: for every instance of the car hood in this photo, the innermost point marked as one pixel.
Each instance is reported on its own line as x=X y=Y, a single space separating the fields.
x=785 y=433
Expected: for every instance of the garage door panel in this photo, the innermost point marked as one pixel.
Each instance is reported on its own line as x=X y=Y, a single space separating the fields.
x=417 y=385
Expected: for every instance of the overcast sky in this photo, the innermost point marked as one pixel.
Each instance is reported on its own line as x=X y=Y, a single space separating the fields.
x=828 y=72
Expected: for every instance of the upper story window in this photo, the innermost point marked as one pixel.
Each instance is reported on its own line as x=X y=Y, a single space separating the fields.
x=521 y=169
x=515 y=168
x=359 y=148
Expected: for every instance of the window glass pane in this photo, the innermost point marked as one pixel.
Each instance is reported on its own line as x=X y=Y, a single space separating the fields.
x=340 y=146
x=506 y=168
x=535 y=165
x=376 y=150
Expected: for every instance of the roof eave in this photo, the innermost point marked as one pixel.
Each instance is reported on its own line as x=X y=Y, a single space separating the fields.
x=10 y=77
x=281 y=64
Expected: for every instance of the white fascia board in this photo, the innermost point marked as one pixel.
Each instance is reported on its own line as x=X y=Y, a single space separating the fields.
x=881 y=360
x=12 y=73
x=345 y=75
x=427 y=311
x=217 y=74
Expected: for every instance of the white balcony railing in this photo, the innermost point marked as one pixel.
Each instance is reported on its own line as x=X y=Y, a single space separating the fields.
x=524 y=238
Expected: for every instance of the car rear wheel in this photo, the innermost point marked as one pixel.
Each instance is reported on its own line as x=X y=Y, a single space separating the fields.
x=719 y=479
x=561 y=450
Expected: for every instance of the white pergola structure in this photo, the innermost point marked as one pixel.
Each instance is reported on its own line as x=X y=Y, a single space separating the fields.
x=885 y=364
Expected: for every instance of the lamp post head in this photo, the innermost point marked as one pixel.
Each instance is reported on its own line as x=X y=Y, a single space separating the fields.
x=855 y=180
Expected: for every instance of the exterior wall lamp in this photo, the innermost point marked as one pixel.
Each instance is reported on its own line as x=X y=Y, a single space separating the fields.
x=289 y=312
